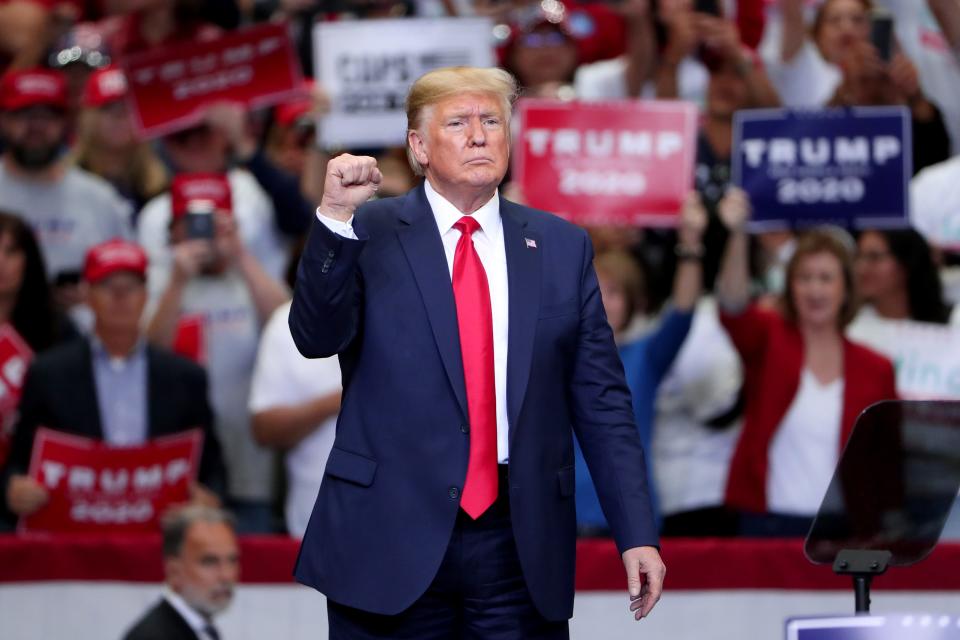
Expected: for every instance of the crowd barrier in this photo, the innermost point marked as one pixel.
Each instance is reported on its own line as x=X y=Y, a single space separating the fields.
x=94 y=587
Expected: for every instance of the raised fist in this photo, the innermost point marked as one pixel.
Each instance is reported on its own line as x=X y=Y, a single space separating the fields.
x=350 y=181
x=734 y=209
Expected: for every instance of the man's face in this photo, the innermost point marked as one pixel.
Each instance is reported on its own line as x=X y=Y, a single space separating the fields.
x=34 y=136
x=197 y=150
x=118 y=301
x=464 y=143
x=726 y=93
x=206 y=571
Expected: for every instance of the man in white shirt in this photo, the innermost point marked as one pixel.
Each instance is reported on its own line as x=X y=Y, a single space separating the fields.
x=201 y=565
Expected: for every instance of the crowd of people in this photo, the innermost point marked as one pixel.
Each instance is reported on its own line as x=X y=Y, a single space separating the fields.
x=737 y=348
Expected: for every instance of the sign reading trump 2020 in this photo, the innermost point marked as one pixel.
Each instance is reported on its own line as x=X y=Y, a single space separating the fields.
x=94 y=487
x=849 y=167
x=171 y=86
x=367 y=67
x=607 y=163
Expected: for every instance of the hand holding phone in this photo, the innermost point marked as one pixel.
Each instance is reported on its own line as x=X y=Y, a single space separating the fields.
x=881 y=33
x=709 y=7
x=199 y=220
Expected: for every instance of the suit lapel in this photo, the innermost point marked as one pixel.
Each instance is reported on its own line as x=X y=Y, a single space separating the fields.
x=87 y=408
x=523 y=277
x=421 y=243
x=155 y=403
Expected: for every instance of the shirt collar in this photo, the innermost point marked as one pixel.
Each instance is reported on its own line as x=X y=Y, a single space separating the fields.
x=191 y=616
x=100 y=352
x=446 y=214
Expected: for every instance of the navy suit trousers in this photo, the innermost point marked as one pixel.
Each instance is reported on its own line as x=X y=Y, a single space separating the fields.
x=478 y=593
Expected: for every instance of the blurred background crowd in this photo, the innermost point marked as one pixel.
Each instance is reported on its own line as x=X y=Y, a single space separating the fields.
x=738 y=348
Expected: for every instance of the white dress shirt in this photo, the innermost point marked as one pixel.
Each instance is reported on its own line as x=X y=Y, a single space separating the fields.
x=191 y=616
x=488 y=241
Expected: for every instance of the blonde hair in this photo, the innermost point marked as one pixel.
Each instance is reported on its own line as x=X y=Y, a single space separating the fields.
x=440 y=84
x=832 y=241
x=145 y=171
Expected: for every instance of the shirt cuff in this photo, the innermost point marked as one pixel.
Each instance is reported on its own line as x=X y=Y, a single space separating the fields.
x=344 y=229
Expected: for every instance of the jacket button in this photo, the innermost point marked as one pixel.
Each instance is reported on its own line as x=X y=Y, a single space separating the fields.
x=331 y=253
x=454 y=493
x=464 y=428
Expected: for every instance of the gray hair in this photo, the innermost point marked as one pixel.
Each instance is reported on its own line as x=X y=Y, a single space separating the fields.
x=176 y=522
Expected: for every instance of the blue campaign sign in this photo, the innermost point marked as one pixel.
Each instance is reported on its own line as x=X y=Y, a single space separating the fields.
x=894 y=627
x=850 y=167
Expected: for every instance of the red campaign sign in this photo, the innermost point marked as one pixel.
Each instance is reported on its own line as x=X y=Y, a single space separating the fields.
x=189 y=339
x=171 y=86
x=15 y=357
x=607 y=163
x=97 y=488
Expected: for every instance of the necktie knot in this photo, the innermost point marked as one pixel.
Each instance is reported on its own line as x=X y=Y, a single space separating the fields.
x=466 y=225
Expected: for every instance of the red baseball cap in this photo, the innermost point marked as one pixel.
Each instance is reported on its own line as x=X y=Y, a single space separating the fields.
x=289 y=112
x=112 y=256
x=598 y=32
x=105 y=86
x=192 y=187
x=30 y=87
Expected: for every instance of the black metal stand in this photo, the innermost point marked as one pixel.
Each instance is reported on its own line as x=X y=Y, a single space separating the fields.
x=862 y=565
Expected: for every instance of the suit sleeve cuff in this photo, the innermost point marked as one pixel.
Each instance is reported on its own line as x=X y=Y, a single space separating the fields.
x=344 y=229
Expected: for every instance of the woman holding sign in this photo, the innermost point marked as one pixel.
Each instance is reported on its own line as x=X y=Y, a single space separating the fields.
x=805 y=383
x=851 y=57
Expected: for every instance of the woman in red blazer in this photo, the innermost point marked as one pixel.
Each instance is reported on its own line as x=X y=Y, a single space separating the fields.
x=805 y=383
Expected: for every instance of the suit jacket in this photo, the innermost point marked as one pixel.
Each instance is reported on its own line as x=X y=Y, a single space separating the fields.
x=162 y=622
x=389 y=498
x=772 y=353
x=59 y=392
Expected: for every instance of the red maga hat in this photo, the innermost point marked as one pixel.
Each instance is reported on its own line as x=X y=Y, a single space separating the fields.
x=30 y=87
x=287 y=113
x=105 y=86
x=112 y=256
x=193 y=187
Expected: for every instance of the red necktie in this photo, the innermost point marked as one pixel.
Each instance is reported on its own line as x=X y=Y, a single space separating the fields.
x=475 y=321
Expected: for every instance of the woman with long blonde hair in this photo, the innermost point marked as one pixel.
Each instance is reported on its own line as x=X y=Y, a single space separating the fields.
x=107 y=144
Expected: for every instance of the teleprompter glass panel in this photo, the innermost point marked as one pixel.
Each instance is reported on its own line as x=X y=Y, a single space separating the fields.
x=895 y=484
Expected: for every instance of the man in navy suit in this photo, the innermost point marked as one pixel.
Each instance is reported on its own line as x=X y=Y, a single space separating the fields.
x=473 y=344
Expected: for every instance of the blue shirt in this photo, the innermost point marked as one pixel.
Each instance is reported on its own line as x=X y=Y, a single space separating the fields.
x=645 y=363
x=121 y=385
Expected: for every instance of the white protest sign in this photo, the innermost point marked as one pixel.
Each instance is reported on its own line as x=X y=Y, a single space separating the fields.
x=926 y=355
x=367 y=67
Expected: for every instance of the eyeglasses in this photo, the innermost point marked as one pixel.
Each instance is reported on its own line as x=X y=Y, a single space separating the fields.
x=541 y=39
x=872 y=256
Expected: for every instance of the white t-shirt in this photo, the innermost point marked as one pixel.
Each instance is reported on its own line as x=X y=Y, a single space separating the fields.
x=805 y=448
x=935 y=202
x=691 y=461
x=605 y=80
x=68 y=216
x=283 y=377
x=807 y=80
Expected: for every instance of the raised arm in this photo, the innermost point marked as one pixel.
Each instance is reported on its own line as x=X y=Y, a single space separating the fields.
x=325 y=309
x=947 y=13
x=794 y=29
x=733 y=282
x=689 y=277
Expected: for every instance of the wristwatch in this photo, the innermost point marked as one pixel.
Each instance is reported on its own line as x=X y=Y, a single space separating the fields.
x=689 y=252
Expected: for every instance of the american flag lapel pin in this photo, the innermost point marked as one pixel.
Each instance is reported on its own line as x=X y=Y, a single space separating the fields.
x=531 y=243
